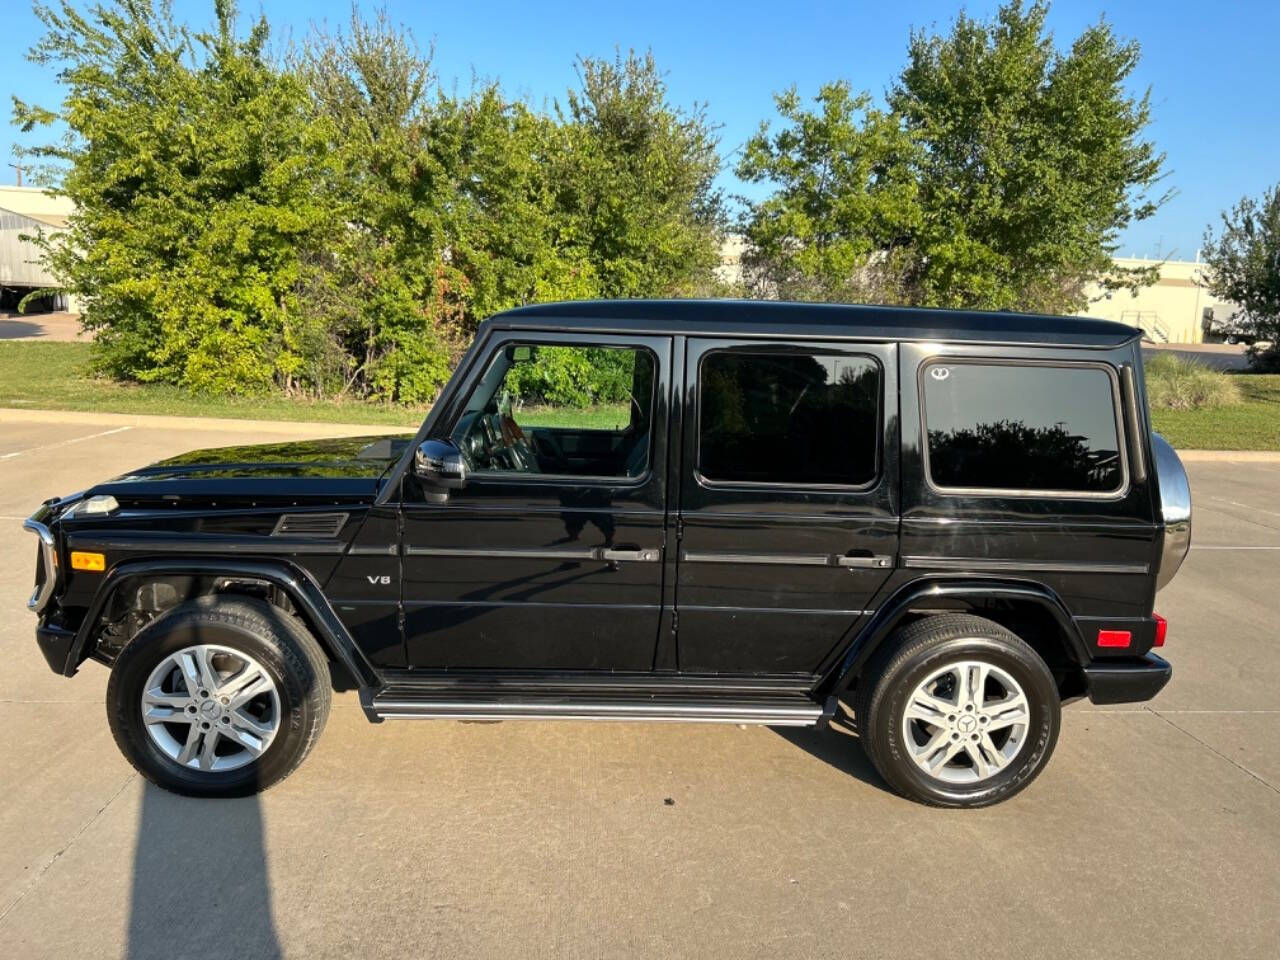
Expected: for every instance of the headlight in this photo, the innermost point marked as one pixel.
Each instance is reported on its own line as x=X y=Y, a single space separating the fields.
x=96 y=506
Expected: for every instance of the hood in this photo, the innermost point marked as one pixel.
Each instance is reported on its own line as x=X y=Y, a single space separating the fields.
x=346 y=466
x=337 y=457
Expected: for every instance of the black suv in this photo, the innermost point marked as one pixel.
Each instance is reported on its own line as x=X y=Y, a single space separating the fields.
x=953 y=522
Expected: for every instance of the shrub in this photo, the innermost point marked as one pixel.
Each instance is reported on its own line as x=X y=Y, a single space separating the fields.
x=573 y=377
x=1177 y=383
x=1264 y=359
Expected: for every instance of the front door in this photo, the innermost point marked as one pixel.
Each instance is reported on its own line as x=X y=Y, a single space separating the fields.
x=788 y=520
x=550 y=558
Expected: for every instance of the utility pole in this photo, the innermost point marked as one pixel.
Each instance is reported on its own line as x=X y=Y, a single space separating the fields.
x=18 y=167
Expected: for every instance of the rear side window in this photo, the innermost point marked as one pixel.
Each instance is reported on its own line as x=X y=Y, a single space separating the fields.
x=1022 y=427
x=801 y=419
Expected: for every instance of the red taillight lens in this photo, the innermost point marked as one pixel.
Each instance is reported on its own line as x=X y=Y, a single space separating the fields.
x=1114 y=638
x=1162 y=627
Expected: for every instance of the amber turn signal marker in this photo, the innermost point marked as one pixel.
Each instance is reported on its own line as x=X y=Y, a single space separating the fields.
x=88 y=561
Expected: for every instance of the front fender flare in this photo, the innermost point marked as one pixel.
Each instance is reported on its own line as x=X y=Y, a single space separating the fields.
x=931 y=589
x=300 y=586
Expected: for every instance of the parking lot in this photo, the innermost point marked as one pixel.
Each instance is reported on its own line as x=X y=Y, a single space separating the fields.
x=1155 y=830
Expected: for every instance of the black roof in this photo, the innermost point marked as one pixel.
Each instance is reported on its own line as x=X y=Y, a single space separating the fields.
x=773 y=318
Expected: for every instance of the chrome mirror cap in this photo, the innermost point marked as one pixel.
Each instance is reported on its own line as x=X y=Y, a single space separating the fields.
x=440 y=463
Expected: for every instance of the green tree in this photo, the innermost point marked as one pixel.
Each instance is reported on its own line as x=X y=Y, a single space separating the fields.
x=1000 y=176
x=380 y=293
x=1242 y=262
x=449 y=211
x=633 y=177
x=334 y=222
x=196 y=169
x=845 y=208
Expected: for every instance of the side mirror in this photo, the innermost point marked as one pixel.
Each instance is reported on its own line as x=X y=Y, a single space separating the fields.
x=439 y=463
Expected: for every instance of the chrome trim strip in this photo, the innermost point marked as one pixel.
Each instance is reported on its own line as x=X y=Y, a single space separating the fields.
x=411 y=604
x=48 y=549
x=800 y=716
x=782 y=559
x=1028 y=566
x=709 y=608
x=876 y=562
x=389 y=549
x=514 y=553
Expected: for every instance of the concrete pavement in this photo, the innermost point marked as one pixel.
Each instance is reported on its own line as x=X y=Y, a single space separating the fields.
x=60 y=327
x=1155 y=830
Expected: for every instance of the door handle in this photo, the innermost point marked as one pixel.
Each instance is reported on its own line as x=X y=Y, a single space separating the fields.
x=647 y=555
x=872 y=562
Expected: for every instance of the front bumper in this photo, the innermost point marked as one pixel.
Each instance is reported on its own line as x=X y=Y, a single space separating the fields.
x=55 y=643
x=1127 y=680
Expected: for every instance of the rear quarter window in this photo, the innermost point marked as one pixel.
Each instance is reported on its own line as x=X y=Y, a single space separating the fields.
x=1024 y=429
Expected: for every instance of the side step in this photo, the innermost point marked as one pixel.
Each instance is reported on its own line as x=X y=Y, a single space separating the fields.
x=400 y=704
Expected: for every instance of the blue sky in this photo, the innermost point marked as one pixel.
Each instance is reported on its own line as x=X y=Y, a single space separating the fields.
x=1214 y=69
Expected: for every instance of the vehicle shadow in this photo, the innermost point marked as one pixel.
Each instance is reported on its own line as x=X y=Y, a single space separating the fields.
x=200 y=884
x=15 y=329
x=837 y=745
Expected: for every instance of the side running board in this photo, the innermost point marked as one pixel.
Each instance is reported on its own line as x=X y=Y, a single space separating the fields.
x=399 y=705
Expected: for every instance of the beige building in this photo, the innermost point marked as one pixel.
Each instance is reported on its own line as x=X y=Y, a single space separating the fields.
x=1172 y=310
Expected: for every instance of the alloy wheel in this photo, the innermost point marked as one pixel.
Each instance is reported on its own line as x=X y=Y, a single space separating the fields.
x=211 y=708
x=965 y=722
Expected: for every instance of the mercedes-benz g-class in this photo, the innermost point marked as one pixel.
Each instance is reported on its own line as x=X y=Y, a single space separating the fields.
x=953 y=522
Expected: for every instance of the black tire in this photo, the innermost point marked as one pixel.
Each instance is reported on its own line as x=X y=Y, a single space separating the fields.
x=908 y=659
x=276 y=640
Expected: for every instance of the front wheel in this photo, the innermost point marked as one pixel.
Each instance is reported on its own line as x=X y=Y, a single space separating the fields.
x=221 y=697
x=958 y=712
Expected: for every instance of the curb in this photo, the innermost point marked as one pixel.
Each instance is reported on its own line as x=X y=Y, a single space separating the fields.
x=290 y=428
x=1229 y=456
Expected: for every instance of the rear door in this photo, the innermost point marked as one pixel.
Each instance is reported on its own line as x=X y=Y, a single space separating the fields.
x=788 y=484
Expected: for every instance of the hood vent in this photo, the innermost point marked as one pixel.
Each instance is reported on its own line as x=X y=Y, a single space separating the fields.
x=320 y=525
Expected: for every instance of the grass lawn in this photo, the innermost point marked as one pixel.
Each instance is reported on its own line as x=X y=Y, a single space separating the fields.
x=52 y=376
x=1251 y=425
x=604 y=417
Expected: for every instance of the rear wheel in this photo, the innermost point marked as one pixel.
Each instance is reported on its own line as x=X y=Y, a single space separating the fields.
x=221 y=697
x=958 y=712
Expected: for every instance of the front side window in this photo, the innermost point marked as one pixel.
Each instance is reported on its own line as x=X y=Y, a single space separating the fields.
x=575 y=411
x=1022 y=427
x=794 y=418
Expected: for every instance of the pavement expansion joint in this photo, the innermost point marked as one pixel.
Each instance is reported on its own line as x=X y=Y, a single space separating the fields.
x=84 y=827
x=1239 y=766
